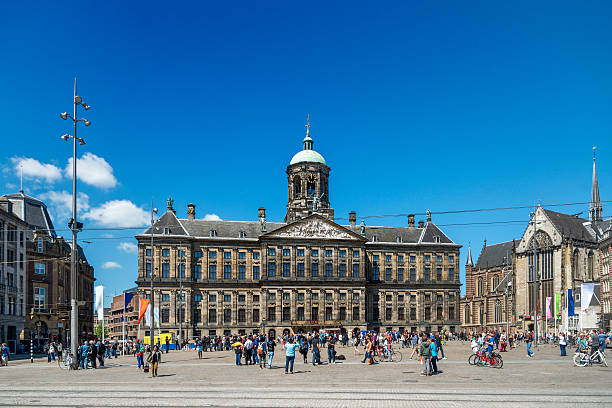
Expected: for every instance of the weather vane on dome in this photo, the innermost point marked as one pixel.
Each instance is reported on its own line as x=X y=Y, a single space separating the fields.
x=307 y=124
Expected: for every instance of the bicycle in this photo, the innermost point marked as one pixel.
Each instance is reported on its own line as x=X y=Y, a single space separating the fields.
x=585 y=359
x=66 y=360
x=494 y=361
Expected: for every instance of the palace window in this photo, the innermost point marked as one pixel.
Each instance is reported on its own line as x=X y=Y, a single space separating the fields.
x=272 y=296
x=286 y=313
x=255 y=271
x=271 y=314
x=227 y=315
x=342 y=253
x=227 y=255
x=286 y=295
x=197 y=254
x=256 y=255
x=181 y=270
x=39 y=268
x=355 y=270
x=300 y=270
x=271 y=252
x=197 y=316
x=427 y=274
x=197 y=271
x=271 y=269
x=165 y=270
x=165 y=297
x=197 y=298
x=413 y=313
x=300 y=296
x=165 y=315
x=241 y=315
x=255 y=315
x=387 y=274
x=428 y=313
x=315 y=270
x=412 y=274
x=328 y=252
x=451 y=274
x=328 y=270
x=255 y=298
x=387 y=258
x=314 y=313
x=412 y=259
x=355 y=254
x=342 y=270
x=300 y=313
x=300 y=252
x=212 y=254
x=227 y=298
x=375 y=273
x=314 y=253
x=400 y=258
x=213 y=233
x=451 y=259
x=328 y=313
x=212 y=271
x=342 y=295
x=355 y=312
x=212 y=298
x=241 y=255
x=180 y=253
x=439 y=274
x=241 y=272
x=165 y=252
x=438 y=258
x=227 y=271
x=314 y=296
x=181 y=315
x=427 y=258
x=400 y=274
x=242 y=234
x=147 y=251
x=286 y=269
x=400 y=313
x=355 y=296
x=328 y=296
x=286 y=252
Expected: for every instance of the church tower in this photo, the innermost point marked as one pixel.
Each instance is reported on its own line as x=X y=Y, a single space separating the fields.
x=595 y=209
x=308 y=183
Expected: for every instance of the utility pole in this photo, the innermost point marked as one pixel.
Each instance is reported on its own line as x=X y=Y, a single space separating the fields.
x=151 y=304
x=181 y=314
x=535 y=277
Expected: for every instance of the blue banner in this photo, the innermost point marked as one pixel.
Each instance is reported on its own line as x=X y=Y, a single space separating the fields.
x=570 y=303
x=128 y=298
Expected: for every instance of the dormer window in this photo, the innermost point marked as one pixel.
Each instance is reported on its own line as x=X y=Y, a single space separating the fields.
x=166 y=231
x=436 y=239
x=242 y=234
x=374 y=238
x=398 y=239
x=213 y=233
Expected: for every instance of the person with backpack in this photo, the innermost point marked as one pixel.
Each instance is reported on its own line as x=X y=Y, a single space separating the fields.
x=261 y=352
x=528 y=340
x=5 y=352
x=425 y=353
x=139 y=353
x=270 y=344
x=315 y=347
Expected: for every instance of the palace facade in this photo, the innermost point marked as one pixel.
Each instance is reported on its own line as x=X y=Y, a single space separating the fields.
x=308 y=272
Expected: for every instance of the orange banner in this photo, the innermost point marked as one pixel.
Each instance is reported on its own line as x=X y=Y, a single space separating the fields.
x=144 y=304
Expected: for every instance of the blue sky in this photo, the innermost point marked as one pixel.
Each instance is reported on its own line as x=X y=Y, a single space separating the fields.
x=415 y=106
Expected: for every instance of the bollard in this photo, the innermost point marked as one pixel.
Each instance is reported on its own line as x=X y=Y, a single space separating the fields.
x=31 y=350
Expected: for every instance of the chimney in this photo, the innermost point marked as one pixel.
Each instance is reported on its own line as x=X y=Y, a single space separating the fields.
x=411 y=220
x=262 y=213
x=190 y=211
x=353 y=218
x=421 y=224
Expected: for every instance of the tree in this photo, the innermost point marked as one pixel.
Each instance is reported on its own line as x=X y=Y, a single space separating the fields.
x=98 y=331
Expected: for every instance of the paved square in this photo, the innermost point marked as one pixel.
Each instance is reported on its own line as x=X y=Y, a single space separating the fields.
x=547 y=380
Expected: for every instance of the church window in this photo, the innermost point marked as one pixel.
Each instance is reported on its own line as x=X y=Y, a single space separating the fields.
x=480 y=287
x=297 y=186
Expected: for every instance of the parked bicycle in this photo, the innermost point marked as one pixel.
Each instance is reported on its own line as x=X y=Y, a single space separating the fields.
x=379 y=355
x=66 y=360
x=482 y=359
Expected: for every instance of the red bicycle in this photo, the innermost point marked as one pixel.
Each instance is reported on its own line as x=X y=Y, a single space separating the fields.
x=482 y=359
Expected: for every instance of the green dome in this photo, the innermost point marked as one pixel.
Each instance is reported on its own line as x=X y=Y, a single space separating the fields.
x=307 y=156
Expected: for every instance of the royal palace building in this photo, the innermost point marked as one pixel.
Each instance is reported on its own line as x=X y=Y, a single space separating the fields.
x=308 y=272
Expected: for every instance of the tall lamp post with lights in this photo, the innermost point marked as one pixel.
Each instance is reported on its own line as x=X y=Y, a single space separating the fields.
x=73 y=224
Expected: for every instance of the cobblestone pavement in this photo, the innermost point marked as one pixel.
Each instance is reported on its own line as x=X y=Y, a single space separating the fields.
x=546 y=380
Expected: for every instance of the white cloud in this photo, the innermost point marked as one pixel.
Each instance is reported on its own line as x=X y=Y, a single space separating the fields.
x=93 y=170
x=212 y=217
x=60 y=203
x=110 y=265
x=128 y=247
x=118 y=213
x=33 y=169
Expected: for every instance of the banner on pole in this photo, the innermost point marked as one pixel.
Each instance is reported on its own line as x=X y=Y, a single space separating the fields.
x=557 y=304
x=99 y=301
x=570 y=303
x=128 y=298
x=586 y=293
x=548 y=314
x=144 y=306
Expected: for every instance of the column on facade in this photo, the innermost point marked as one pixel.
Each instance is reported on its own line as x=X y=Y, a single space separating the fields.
x=308 y=305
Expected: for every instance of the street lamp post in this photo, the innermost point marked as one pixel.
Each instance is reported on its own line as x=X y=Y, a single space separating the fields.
x=152 y=300
x=73 y=224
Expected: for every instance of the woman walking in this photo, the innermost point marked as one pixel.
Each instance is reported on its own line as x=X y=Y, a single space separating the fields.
x=154 y=359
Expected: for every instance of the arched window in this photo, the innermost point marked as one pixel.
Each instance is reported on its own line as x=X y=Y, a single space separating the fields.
x=590 y=267
x=576 y=264
x=481 y=318
x=466 y=314
x=297 y=186
x=480 y=289
x=495 y=283
x=498 y=312
x=311 y=184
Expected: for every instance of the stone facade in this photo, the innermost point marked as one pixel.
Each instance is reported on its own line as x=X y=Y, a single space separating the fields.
x=12 y=276
x=219 y=277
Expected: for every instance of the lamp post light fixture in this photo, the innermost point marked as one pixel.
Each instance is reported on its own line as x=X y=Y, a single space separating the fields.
x=73 y=224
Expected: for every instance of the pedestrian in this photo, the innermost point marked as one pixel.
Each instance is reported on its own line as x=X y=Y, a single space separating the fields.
x=270 y=344
x=199 y=348
x=425 y=353
x=238 y=352
x=315 y=348
x=331 y=350
x=4 y=352
x=528 y=341
x=153 y=359
x=290 y=355
x=562 y=344
x=101 y=352
x=92 y=353
x=85 y=355
x=139 y=348
x=167 y=345
x=434 y=355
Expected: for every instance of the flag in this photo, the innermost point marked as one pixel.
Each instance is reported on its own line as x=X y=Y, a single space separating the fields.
x=148 y=316
x=557 y=304
x=570 y=303
x=128 y=298
x=548 y=314
x=586 y=293
x=144 y=305
x=99 y=301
